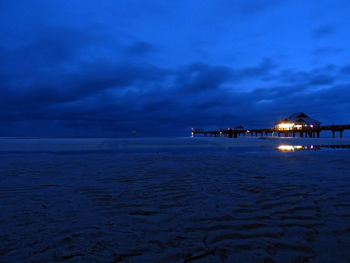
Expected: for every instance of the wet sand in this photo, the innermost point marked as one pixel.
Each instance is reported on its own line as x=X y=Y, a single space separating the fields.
x=173 y=200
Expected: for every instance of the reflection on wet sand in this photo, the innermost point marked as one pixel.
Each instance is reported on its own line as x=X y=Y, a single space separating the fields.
x=292 y=148
x=173 y=200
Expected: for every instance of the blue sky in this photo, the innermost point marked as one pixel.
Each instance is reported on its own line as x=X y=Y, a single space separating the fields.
x=101 y=68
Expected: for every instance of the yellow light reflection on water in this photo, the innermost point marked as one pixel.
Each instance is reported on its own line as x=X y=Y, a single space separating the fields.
x=289 y=148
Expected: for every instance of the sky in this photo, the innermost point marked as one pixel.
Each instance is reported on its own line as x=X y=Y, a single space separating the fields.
x=102 y=68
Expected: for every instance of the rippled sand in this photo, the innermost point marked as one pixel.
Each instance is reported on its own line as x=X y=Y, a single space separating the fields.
x=173 y=200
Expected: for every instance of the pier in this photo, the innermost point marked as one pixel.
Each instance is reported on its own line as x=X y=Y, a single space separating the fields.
x=311 y=132
x=297 y=124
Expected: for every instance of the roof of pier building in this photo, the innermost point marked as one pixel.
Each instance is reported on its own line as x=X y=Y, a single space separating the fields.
x=301 y=118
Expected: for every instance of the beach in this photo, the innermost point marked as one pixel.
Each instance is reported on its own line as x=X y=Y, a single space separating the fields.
x=174 y=200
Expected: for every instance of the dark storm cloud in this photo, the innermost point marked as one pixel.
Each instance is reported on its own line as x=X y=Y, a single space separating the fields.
x=345 y=70
x=201 y=77
x=253 y=7
x=48 y=49
x=52 y=68
x=246 y=7
x=324 y=31
x=102 y=93
x=317 y=77
x=261 y=71
x=40 y=78
x=83 y=82
x=141 y=48
x=324 y=51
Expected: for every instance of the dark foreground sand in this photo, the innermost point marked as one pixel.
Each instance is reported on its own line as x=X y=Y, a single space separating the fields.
x=173 y=200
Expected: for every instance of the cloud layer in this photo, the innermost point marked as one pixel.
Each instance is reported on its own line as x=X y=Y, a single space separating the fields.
x=63 y=75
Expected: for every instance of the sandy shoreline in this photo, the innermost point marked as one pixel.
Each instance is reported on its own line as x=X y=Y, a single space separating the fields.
x=173 y=200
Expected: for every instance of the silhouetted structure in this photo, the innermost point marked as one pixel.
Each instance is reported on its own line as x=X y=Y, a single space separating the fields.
x=297 y=123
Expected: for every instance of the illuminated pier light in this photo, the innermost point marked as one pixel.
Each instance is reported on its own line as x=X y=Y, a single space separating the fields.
x=290 y=148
